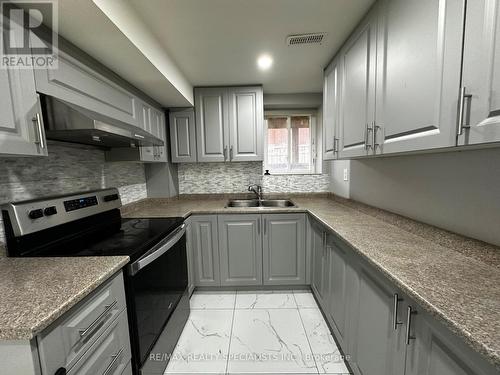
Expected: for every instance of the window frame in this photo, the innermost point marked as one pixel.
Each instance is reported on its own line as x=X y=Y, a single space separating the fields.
x=313 y=154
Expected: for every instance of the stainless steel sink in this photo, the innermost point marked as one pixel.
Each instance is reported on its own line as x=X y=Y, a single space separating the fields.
x=243 y=203
x=280 y=203
x=277 y=203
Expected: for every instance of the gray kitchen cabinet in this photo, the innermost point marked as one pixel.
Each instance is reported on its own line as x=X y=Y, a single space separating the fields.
x=189 y=256
x=357 y=112
x=480 y=98
x=377 y=348
x=246 y=124
x=434 y=350
x=320 y=278
x=240 y=247
x=331 y=106
x=212 y=124
x=21 y=127
x=79 y=84
x=339 y=291
x=205 y=247
x=182 y=136
x=284 y=249
x=156 y=125
x=229 y=123
x=419 y=51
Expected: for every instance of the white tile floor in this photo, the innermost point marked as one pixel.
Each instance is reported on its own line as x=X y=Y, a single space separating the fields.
x=281 y=332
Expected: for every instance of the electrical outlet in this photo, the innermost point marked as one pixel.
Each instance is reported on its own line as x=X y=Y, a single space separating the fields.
x=346 y=174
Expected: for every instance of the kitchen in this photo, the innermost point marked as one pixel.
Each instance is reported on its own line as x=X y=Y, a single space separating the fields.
x=232 y=187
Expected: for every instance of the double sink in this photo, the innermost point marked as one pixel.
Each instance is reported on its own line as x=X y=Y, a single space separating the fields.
x=280 y=203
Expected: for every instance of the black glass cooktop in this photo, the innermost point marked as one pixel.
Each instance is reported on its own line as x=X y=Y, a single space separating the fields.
x=97 y=236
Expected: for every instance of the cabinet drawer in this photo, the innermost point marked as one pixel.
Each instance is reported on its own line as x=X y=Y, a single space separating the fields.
x=62 y=344
x=110 y=354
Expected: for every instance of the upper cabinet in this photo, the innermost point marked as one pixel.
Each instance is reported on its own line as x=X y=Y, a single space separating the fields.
x=419 y=54
x=479 y=103
x=416 y=76
x=79 y=84
x=229 y=124
x=357 y=112
x=246 y=119
x=331 y=106
x=21 y=126
x=182 y=136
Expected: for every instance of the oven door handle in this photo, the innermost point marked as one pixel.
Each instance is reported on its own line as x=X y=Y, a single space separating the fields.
x=171 y=240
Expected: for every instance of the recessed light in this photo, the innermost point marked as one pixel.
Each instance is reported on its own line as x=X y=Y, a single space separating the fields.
x=264 y=62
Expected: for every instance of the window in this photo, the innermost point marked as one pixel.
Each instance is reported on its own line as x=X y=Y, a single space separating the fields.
x=289 y=144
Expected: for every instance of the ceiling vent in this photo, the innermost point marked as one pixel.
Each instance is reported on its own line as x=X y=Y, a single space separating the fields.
x=313 y=38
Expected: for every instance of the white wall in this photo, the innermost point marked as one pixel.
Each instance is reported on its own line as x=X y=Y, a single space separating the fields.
x=457 y=191
x=338 y=185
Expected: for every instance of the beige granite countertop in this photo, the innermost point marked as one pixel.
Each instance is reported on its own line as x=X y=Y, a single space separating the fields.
x=454 y=278
x=34 y=292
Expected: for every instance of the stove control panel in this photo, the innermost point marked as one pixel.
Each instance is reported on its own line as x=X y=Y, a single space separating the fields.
x=76 y=204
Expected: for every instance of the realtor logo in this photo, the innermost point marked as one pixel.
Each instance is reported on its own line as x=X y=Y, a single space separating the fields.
x=29 y=34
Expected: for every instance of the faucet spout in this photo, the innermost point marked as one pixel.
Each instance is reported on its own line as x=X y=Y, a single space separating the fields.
x=257 y=190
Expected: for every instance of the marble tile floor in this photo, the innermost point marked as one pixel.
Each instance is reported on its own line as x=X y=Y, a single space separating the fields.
x=275 y=332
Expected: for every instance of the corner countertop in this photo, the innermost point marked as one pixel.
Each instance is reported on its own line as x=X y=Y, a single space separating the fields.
x=34 y=292
x=454 y=278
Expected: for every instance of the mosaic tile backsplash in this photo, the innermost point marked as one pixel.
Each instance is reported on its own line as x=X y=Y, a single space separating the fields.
x=220 y=178
x=68 y=168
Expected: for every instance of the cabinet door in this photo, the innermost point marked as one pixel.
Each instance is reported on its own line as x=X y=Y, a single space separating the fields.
x=481 y=73
x=240 y=244
x=21 y=126
x=246 y=122
x=331 y=102
x=358 y=58
x=212 y=131
x=183 y=136
x=434 y=350
x=338 y=292
x=79 y=84
x=320 y=272
x=418 y=74
x=284 y=249
x=162 y=155
x=377 y=348
x=205 y=250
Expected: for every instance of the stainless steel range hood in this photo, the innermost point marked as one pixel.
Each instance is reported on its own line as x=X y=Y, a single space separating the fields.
x=70 y=123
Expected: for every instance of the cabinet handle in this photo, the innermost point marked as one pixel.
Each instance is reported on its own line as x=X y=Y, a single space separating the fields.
x=408 y=325
x=375 y=130
x=113 y=361
x=138 y=136
x=258 y=226
x=335 y=145
x=38 y=121
x=367 y=137
x=461 y=110
x=225 y=153
x=395 y=322
x=107 y=309
x=231 y=153
x=265 y=226
x=324 y=244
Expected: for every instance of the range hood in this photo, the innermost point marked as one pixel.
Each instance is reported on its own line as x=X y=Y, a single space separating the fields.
x=71 y=123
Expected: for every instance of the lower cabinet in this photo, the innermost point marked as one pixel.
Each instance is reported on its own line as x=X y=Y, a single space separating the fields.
x=248 y=249
x=240 y=248
x=205 y=248
x=284 y=249
x=381 y=330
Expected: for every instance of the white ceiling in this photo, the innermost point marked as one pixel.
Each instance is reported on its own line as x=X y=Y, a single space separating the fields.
x=217 y=42
x=209 y=42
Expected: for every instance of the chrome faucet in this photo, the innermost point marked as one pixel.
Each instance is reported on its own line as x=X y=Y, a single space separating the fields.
x=257 y=192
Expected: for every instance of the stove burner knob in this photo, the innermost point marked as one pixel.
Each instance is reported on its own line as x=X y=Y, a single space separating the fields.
x=49 y=211
x=35 y=214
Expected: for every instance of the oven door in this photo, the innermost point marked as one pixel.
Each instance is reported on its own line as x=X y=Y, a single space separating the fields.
x=155 y=284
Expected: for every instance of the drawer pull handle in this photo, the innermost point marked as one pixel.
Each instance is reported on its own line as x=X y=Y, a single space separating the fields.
x=113 y=361
x=396 y=301
x=408 y=325
x=108 y=308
